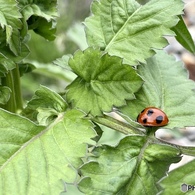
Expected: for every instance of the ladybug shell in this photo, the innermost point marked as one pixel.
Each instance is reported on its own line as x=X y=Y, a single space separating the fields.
x=152 y=117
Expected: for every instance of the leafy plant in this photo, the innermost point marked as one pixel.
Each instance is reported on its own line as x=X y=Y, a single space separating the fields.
x=70 y=142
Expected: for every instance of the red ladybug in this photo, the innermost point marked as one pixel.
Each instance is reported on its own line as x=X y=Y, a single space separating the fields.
x=152 y=117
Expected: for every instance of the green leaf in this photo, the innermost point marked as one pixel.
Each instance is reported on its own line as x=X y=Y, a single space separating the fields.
x=166 y=87
x=182 y=175
x=45 y=97
x=25 y=68
x=37 y=160
x=40 y=16
x=5 y=51
x=43 y=8
x=5 y=93
x=183 y=36
x=132 y=167
x=102 y=82
x=129 y=30
x=12 y=46
x=45 y=105
x=46 y=29
x=6 y=64
x=10 y=22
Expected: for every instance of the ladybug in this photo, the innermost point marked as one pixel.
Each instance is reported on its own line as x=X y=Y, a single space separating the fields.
x=152 y=117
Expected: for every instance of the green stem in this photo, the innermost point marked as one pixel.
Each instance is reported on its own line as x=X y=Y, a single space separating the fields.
x=9 y=82
x=17 y=88
x=116 y=125
x=12 y=80
x=128 y=129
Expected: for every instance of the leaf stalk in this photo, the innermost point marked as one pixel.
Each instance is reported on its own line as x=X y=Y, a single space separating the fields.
x=117 y=125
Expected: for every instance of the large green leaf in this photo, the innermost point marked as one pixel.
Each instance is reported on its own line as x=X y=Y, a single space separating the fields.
x=132 y=167
x=129 y=30
x=37 y=160
x=180 y=180
x=102 y=82
x=183 y=36
x=166 y=87
x=11 y=24
x=40 y=16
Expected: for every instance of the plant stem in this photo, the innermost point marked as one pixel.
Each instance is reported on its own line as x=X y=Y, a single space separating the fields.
x=17 y=88
x=8 y=81
x=12 y=80
x=116 y=125
x=128 y=129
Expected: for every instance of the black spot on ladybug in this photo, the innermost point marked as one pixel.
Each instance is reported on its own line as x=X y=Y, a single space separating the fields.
x=150 y=112
x=159 y=119
x=145 y=120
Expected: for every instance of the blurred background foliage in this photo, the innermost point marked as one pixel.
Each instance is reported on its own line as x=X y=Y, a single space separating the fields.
x=69 y=37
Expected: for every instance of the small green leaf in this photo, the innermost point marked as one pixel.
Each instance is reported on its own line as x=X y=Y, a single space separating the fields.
x=46 y=104
x=182 y=175
x=10 y=21
x=45 y=97
x=46 y=29
x=25 y=68
x=38 y=160
x=133 y=167
x=5 y=51
x=102 y=82
x=183 y=36
x=5 y=93
x=6 y=64
x=40 y=16
x=46 y=9
x=129 y=30
x=166 y=87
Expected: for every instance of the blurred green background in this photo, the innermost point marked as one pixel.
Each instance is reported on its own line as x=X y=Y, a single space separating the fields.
x=70 y=36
